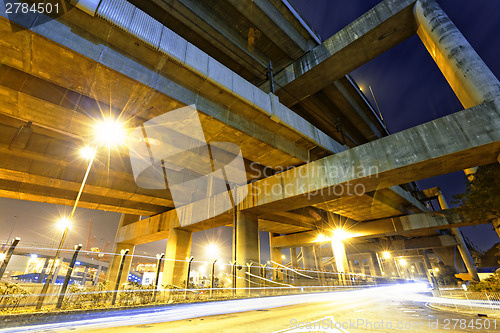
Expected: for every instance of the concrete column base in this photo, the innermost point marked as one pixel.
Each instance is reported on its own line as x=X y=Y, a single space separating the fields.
x=247 y=251
x=177 y=257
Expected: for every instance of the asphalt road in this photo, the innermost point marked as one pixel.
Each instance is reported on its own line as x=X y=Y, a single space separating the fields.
x=386 y=309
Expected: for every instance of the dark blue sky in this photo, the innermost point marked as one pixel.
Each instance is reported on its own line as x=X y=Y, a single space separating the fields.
x=407 y=84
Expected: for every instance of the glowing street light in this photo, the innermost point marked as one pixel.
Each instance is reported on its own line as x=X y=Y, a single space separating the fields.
x=88 y=152
x=109 y=132
x=436 y=269
x=403 y=262
x=63 y=223
x=321 y=238
x=386 y=255
x=283 y=257
x=212 y=250
x=341 y=235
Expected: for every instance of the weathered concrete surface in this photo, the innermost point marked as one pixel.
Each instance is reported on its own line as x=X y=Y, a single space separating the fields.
x=114 y=265
x=381 y=28
x=467 y=138
x=469 y=77
x=461 y=140
x=178 y=75
x=176 y=257
x=248 y=251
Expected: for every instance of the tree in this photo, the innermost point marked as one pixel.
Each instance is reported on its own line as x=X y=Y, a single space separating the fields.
x=481 y=199
x=490 y=284
x=491 y=258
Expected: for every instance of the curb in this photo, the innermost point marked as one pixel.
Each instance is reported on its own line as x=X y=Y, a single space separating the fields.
x=465 y=312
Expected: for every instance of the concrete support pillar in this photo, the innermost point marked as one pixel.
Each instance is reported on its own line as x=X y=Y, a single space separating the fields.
x=293 y=258
x=114 y=265
x=247 y=252
x=418 y=268
x=428 y=269
x=469 y=77
x=295 y=263
x=464 y=252
x=177 y=257
x=307 y=258
x=112 y=273
x=462 y=247
x=339 y=253
x=276 y=258
x=317 y=262
x=362 y=266
x=374 y=266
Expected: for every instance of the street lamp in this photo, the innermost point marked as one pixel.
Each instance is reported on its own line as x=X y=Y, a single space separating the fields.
x=386 y=255
x=212 y=278
x=123 y=254
x=109 y=133
x=159 y=258
x=190 y=260
x=212 y=251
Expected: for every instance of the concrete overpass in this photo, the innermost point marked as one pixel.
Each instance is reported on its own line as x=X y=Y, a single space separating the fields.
x=60 y=76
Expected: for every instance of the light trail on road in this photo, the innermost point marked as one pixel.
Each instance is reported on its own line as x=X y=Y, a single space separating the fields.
x=168 y=313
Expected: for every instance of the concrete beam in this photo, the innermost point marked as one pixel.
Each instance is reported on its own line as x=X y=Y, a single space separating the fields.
x=461 y=140
x=268 y=19
x=381 y=28
x=404 y=225
x=211 y=86
x=418 y=243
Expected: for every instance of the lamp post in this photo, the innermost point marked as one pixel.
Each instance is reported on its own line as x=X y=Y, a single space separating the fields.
x=5 y=257
x=66 y=223
x=107 y=132
x=190 y=260
x=233 y=275
x=263 y=274
x=159 y=259
x=68 y=276
x=123 y=254
x=212 y=278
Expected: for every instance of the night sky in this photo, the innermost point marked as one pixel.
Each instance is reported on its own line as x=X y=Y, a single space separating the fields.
x=409 y=88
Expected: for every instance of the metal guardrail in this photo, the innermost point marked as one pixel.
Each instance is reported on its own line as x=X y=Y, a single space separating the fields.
x=95 y=297
x=460 y=299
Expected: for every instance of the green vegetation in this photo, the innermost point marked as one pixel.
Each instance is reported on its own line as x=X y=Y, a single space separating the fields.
x=481 y=199
x=491 y=284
